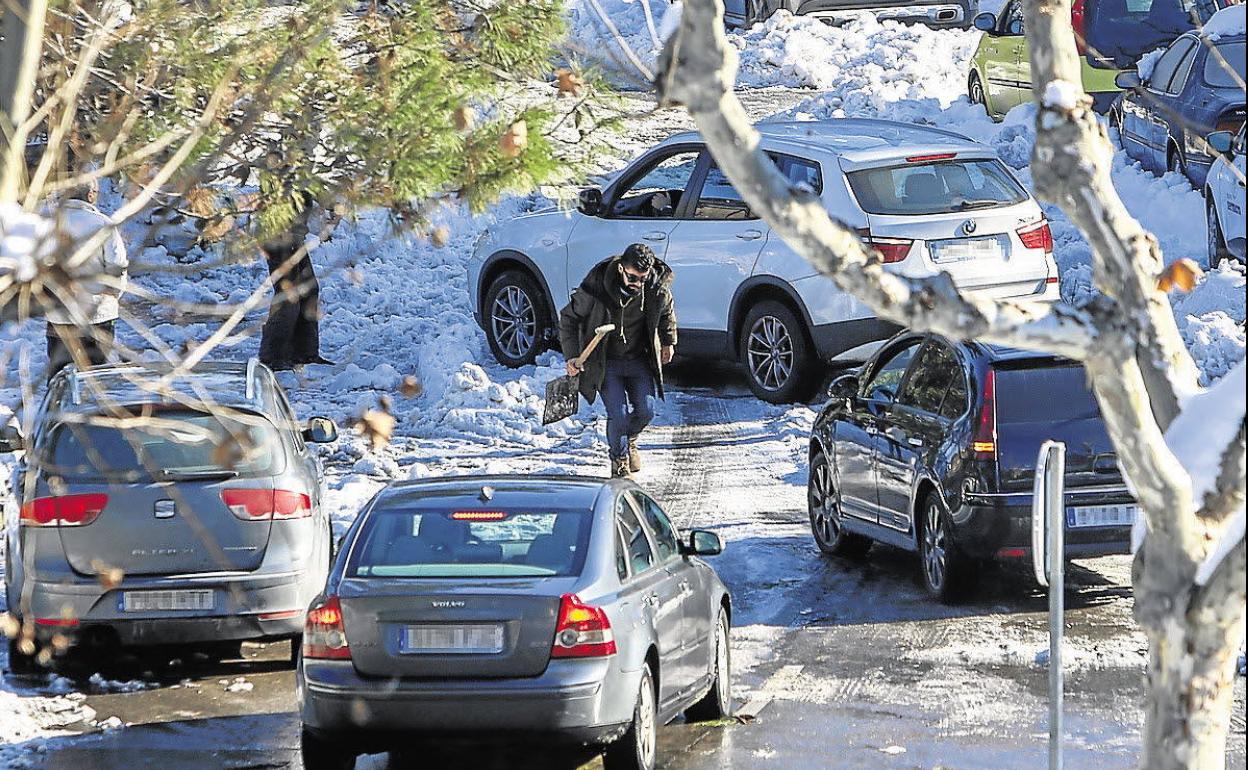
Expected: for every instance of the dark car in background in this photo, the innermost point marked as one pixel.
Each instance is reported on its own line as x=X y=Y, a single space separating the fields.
x=513 y=608
x=933 y=13
x=154 y=507
x=1194 y=89
x=932 y=448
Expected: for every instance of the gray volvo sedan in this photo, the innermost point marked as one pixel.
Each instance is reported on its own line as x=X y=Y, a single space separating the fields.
x=513 y=607
x=154 y=507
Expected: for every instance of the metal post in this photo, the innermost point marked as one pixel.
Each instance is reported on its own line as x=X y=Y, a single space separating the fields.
x=1054 y=464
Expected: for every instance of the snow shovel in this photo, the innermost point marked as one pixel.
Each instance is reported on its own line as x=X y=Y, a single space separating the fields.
x=563 y=394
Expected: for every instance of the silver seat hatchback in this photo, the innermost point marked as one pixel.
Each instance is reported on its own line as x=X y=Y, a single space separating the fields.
x=509 y=607
x=153 y=509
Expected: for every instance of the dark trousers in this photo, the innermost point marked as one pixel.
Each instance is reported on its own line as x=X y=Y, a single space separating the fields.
x=93 y=341
x=630 y=395
x=291 y=334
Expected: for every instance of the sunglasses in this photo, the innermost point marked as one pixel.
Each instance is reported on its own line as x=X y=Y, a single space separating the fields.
x=630 y=277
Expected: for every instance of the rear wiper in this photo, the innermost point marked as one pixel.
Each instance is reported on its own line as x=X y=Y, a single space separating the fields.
x=205 y=475
x=978 y=204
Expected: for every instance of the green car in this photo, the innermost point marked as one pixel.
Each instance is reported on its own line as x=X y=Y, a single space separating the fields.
x=1111 y=36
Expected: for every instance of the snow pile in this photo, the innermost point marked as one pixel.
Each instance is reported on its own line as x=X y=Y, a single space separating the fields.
x=22 y=234
x=1208 y=423
x=878 y=62
x=640 y=25
x=1226 y=23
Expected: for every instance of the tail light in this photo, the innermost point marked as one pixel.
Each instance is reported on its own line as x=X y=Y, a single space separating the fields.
x=1079 y=21
x=63 y=511
x=324 y=635
x=266 y=504
x=1037 y=236
x=891 y=250
x=984 y=440
x=582 y=631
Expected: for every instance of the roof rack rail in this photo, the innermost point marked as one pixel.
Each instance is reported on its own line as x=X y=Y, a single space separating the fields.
x=75 y=387
x=252 y=364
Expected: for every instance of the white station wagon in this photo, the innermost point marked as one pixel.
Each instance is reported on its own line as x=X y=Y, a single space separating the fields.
x=928 y=200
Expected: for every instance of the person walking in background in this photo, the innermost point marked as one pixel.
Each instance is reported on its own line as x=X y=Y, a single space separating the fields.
x=291 y=334
x=632 y=291
x=83 y=334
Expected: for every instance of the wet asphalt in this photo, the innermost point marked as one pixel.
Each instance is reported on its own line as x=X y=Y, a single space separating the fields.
x=847 y=663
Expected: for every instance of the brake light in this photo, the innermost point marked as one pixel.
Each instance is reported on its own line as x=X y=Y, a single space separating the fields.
x=891 y=250
x=56 y=622
x=582 y=631
x=479 y=515
x=984 y=441
x=1037 y=236
x=266 y=504
x=932 y=157
x=1079 y=22
x=63 y=511
x=324 y=635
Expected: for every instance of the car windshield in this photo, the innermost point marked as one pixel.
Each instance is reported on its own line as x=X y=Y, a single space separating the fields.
x=1121 y=31
x=471 y=544
x=1224 y=67
x=935 y=188
x=165 y=445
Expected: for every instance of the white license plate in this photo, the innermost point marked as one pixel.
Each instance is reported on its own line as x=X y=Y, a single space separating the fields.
x=967 y=249
x=443 y=639
x=1119 y=515
x=196 y=600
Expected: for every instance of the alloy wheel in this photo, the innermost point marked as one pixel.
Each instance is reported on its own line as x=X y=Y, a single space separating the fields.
x=770 y=353
x=825 y=519
x=514 y=321
x=1213 y=235
x=647 y=730
x=934 y=547
x=723 y=669
x=977 y=92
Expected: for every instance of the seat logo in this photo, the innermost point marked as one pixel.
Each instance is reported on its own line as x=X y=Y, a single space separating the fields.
x=447 y=604
x=165 y=509
x=968 y=227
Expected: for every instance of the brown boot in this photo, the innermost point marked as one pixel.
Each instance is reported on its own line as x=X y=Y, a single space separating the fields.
x=619 y=468
x=634 y=455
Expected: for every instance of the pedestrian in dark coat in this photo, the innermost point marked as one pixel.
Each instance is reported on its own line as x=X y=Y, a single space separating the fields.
x=633 y=292
x=291 y=334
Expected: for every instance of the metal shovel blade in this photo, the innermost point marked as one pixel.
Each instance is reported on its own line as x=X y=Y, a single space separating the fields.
x=563 y=398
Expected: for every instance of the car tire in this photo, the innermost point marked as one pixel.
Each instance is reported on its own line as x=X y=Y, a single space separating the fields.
x=21 y=664
x=517 y=319
x=976 y=93
x=780 y=362
x=942 y=565
x=717 y=703
x=825 y=515
x=322 y=754
x=1213 y=233
x=637 y=749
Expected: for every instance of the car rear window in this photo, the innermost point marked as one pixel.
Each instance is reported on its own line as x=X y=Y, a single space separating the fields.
x=935 y=188
x=1121 y=31
x=168 y=445
x=1224 y=67
x=1044 y=394
x=471 y=544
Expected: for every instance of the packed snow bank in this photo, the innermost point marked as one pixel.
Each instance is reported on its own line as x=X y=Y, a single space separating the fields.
x=1227 y=22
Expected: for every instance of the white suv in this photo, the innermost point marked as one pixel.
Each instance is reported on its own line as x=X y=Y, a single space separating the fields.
x=929 y=200
x=1224 y=197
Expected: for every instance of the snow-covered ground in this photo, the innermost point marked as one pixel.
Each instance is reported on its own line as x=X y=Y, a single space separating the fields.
x=399 y=306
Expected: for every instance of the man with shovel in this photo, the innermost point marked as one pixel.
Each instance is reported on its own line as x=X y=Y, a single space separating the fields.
x=633 y=293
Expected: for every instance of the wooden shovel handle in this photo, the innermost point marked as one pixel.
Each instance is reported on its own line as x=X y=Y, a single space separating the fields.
x=580 y=360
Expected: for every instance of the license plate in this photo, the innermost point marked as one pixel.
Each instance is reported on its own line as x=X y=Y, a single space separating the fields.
x=476 y=639
x=967 y=249
x=195 y=600
x=1101 y=515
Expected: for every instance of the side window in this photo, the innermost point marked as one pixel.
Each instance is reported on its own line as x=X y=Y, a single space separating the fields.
x=660 y=526
x=1182 y=72
x=886 y=377
x=1013 y=25
x=801 y=173
x=1168 y=64
x=621 y=553
x=956 y=402
x=657 y=192
x=935 y=370
x=719 y=199
x=288 y=420
x=636 y=545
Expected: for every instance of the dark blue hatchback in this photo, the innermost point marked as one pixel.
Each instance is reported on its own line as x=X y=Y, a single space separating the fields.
x=1195 y=88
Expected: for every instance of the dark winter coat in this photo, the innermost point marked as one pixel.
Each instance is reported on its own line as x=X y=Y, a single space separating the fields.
x=595 y=303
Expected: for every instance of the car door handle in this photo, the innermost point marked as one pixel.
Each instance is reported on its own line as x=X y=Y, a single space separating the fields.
x=750 y=235
x=655 y=235
x=914 y=441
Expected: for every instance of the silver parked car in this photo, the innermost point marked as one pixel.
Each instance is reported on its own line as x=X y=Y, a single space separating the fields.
x=513 y=607
x=153 y=509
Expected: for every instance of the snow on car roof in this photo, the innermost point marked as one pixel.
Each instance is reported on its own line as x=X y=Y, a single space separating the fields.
x=1227 y=22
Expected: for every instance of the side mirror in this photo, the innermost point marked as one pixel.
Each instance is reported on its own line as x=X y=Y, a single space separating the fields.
x=1015 y=29
x=11 y=439
x=320 y=430
x=986 y=22
x=1128 y=81
x=1221 y=141
x=844 y=388
x=703 y=543
x=589 y=202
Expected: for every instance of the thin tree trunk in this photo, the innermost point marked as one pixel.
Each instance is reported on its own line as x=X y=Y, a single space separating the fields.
x=22 y=30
